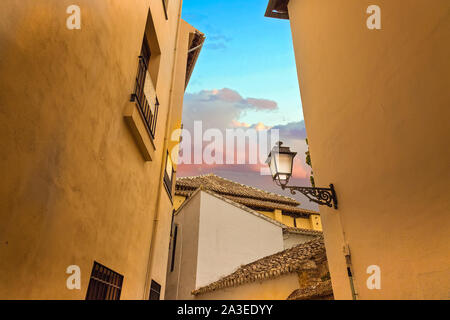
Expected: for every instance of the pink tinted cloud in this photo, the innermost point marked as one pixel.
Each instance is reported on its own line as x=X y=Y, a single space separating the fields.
x=231 y=96
x=222 y=109
x=262 y=104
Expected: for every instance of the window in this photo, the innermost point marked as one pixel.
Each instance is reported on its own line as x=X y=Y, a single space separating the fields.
x=155 y=291
x=144 y=93
x=104 y=284
x=166 y=7
x=174 y=248
x=168 y=175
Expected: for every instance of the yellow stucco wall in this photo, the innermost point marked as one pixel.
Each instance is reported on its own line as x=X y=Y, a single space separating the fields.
x=276 y=289
x=313 y=222
x=75 y=187
x=316 y=223
x=376 y=109
x=303 y=223
x=178 y=201
x=269 y=214
x=289 y=221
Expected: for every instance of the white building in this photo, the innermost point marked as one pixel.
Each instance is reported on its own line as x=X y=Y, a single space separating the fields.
x=212 y=236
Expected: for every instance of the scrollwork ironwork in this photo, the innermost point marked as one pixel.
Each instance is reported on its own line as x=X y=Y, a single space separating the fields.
x=322 y=196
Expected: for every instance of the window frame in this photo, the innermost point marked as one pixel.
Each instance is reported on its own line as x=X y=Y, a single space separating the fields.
x=174 y=248
x=168 y=181
x=104 y=283
x=149 y=116
x=166 y=8
x=155 y=291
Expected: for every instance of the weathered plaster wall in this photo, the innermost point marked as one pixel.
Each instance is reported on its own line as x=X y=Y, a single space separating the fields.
x=376 y=108
x=74 y=185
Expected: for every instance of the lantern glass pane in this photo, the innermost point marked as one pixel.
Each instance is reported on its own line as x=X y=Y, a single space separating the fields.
x=284 y=163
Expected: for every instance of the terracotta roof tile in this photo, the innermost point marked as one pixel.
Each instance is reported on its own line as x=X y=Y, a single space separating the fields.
x=246 y=195
x=302 y=231
x=254 y=203
x=291 y=260
x=318 y=290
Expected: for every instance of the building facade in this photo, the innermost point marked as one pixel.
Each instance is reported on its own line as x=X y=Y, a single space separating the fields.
x=279 y=208
x=375 y=103
x=216 y=229
x=298 y=273
x=86 y=118
x=212 y=236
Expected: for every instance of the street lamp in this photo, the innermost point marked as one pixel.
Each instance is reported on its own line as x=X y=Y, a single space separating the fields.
x=280 y=161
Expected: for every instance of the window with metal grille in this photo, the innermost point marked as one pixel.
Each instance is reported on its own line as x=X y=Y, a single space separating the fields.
x=168 y=175
x=104 y=284
x=155 y=291
x=144 y=93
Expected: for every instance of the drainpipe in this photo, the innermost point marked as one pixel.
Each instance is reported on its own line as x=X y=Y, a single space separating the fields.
x=163 y=167
x=348 y=262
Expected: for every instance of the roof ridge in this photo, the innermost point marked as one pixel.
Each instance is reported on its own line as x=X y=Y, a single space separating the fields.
x=242 y=185
x=257 y=189
x=195 y=177
x=302 y=230
x=250 y=272
x=317 y=239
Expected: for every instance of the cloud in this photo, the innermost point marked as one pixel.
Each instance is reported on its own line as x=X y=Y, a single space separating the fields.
x=216 y=46
x=215 y=39
x=222 y=109
x=219 y=37
x=263 y=104
x=293 y=130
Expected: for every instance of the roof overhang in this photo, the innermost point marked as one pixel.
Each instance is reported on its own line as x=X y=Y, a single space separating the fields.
x=277 y=9
x=195 y=47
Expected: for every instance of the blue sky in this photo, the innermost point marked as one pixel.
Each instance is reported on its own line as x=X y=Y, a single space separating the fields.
x=248 y=53
x=245 y=77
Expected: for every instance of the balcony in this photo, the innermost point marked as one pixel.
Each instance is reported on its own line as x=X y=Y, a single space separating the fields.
x=145 y=97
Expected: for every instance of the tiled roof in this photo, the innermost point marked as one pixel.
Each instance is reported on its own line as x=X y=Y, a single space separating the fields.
x=246 y=195
x=254 y=203
x=319 y=290
x=291 y=260
x=302 y=231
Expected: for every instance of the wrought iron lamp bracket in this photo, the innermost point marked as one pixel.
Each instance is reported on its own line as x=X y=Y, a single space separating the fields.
x=322 y=196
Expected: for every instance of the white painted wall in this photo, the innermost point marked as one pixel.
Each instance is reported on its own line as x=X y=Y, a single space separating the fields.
x=294 y=239
x=230 y=237
x=181 y=280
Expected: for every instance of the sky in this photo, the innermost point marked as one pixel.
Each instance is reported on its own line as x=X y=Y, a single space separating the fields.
x=245 y=77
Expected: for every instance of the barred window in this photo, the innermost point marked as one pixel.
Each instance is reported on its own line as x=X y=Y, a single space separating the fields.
x=104 y=284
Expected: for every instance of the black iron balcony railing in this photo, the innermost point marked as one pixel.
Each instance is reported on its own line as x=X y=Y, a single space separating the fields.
x=148 y=115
